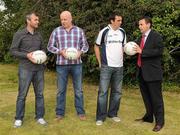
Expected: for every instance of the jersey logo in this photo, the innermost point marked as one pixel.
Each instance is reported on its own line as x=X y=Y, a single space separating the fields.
x=104 y=36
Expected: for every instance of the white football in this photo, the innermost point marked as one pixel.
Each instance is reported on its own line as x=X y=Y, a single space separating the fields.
x=129 y=48
x=39 y=56
x=71 y=53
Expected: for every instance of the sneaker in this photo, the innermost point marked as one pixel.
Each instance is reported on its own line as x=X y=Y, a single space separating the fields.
x=99 y=122
x=17 y=123
x=116 y=119
x=82 y=117
x=41 y=121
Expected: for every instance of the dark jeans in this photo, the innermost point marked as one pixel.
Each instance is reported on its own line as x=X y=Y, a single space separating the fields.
x=25 y=79
x=114 y=77
x=62 y=79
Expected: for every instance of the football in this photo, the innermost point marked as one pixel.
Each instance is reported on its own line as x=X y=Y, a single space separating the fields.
x=39 y=56
x=129 y=48
x=71 y=53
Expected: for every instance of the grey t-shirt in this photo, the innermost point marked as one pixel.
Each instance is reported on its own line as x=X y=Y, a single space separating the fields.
x=23 y=43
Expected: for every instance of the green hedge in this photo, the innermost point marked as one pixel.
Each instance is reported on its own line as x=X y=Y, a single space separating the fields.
x=92 y=15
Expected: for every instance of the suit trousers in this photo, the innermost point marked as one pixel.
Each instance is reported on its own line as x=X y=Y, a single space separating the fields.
x=151 y=92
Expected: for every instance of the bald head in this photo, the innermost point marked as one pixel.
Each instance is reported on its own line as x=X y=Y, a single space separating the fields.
x=66 y=19
x=66 y=14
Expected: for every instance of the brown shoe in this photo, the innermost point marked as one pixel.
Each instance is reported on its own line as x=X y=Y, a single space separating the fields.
x=157 y=127
x=82 y=117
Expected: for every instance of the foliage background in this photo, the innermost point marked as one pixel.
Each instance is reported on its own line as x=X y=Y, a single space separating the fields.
x=92 y=15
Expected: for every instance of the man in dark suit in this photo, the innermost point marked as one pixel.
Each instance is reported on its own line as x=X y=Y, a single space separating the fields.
x=150 y=50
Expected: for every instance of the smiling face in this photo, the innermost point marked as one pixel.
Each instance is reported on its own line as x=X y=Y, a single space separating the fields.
x=144 y=26
x=66 y=19
x=116 y=23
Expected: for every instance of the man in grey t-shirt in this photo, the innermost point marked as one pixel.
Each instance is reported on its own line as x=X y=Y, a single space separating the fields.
x=24 y=42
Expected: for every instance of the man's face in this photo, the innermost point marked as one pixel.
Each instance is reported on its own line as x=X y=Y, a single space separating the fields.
x=33 y=21
x=143 y=26
x=66 y=20
x=117 y=22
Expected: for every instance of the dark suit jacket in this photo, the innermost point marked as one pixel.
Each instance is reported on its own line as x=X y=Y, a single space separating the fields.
x=151 y=57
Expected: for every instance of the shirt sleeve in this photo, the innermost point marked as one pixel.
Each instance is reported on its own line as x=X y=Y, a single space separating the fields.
x=14 y=49
x=99 y=38
x=52 y=47
x=84 y=44
x=125 y=40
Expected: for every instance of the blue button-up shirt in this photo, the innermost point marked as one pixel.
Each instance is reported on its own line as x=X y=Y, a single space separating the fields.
x=61 y=39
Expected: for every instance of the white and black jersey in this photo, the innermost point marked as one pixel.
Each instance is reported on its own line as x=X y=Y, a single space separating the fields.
x=112 y=42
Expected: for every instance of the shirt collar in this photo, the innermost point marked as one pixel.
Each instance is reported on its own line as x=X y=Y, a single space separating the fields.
x=70 y=29
x=147 y=33
x=112 y=28
x=26 y=31
x=109 y=26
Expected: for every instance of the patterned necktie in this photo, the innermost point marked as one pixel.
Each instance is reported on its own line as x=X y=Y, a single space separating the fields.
x=141 y=46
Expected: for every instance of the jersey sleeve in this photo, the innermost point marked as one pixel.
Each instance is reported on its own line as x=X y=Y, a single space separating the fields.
x=99 y=37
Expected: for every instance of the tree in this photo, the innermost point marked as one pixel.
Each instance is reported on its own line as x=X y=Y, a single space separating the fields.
x=92 y=15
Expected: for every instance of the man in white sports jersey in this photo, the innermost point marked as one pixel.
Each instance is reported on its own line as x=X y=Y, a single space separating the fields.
x=110 y=40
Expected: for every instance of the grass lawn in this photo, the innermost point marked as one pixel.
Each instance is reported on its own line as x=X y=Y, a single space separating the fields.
x=131 y=108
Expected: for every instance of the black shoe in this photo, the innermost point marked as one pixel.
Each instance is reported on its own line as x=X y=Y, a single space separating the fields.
x=144 y=120
x=140 y=119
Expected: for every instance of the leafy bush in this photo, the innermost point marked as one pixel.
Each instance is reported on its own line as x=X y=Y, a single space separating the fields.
x=92 y=15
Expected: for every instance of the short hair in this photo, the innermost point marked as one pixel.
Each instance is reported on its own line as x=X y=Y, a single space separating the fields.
x=113 y=16
x=147 y=20
x=28 y=16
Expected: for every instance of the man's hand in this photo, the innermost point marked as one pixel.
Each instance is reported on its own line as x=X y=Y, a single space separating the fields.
x=63 y=53
x=79 y=54
x=137 y=49
x=99 y=65
x=29 y=56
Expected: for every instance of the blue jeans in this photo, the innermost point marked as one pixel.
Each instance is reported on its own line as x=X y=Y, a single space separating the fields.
x=114 y=77
x=62 y=80
x=25 y=79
